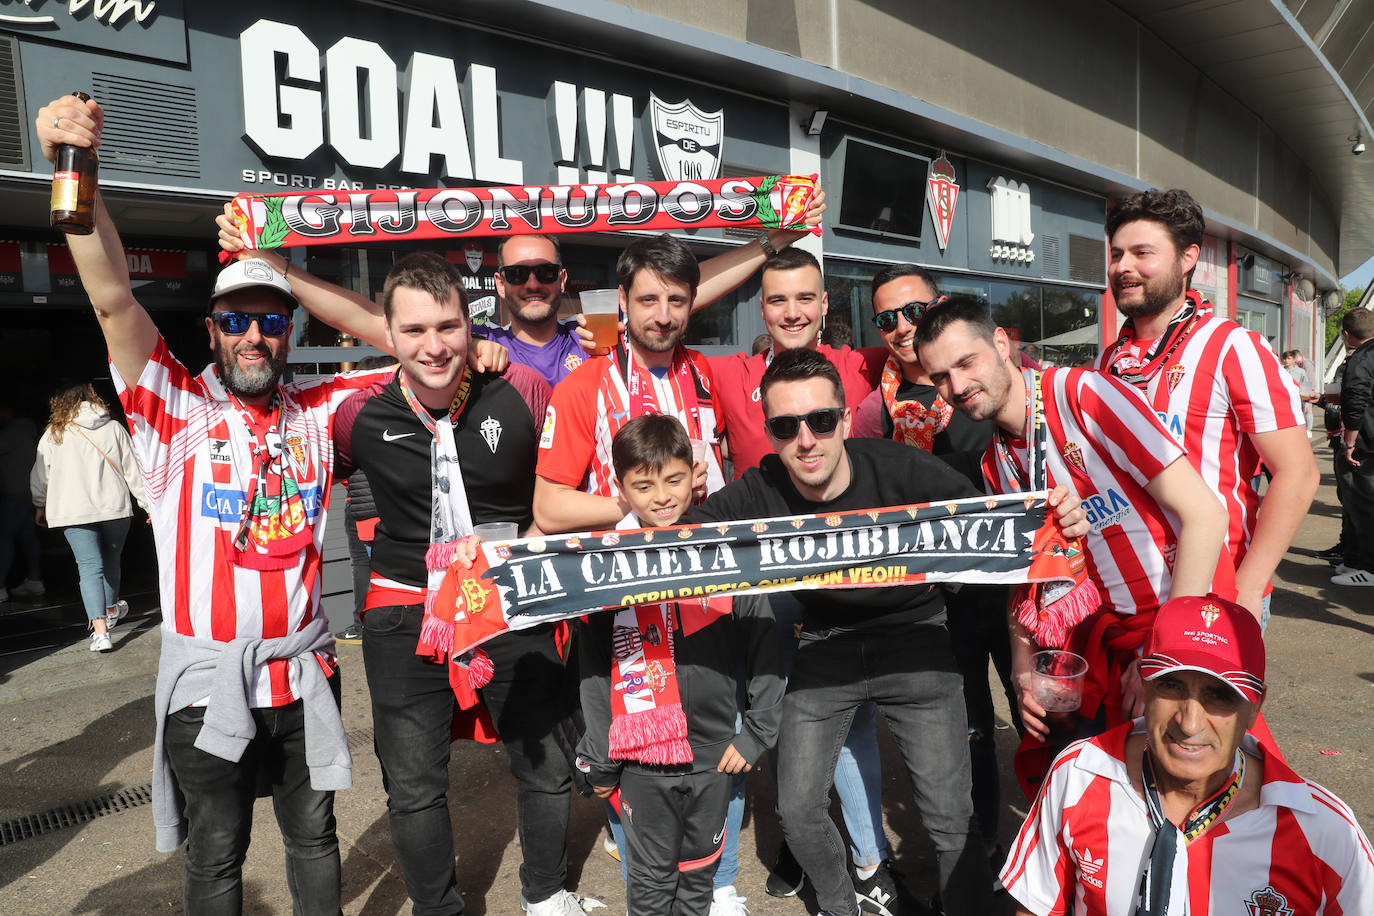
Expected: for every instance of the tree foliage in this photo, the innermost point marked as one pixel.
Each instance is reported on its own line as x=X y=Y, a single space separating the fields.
x=1333 y=321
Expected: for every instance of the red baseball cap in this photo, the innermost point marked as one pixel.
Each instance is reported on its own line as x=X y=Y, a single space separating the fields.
x=1210 y=635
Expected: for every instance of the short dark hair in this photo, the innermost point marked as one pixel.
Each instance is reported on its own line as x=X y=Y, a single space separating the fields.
x=791 y=258
x=797 y=366
x=1358 y=323
x=897 y=271
x=940 y=316
x=664 y=255
x=650 y=442
x=551 y=239
x=1174 y=209
x=427 y=272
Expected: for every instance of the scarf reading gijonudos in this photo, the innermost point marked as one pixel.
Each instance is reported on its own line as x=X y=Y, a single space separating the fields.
x=449 y=516
x=274 y=527
x=912 y=422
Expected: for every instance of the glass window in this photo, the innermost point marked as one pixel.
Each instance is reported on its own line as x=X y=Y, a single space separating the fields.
x=849 y=292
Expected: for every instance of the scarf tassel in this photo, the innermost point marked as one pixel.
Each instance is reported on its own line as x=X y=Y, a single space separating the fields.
x=1050 y=625
x=654 y=736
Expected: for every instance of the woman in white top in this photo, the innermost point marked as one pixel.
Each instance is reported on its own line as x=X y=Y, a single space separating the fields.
x=84 y=481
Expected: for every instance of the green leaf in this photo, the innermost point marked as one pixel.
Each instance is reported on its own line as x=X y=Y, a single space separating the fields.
x=767 y=215
x=274 y=229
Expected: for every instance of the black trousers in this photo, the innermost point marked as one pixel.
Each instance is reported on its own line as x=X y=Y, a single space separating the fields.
x=675 y=827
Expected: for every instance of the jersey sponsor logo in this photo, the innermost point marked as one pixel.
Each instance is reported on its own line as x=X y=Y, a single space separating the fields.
x=1106 y=509
x=1173 y=377
x=755 y=396
x=388 y=436
x=1074 y=456
x=546 y=436
x=571 y=361
x=1268 y=902
x=491 y=432
x=219 y=451
x=1088 y=867
x=228 y=505
x=1172 y=422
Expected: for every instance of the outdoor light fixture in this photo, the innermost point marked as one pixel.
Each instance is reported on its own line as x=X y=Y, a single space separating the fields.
x=816 y=122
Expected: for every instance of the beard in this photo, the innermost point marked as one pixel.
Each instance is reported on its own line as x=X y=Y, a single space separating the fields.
x=531 y=312
x=651 y=340
x=994 y=390
x=249 y=383
x=1157 y=295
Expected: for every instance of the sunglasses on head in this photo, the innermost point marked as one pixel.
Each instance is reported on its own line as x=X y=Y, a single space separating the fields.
x=822 y=422
x=887 y=320
x=519 y=273
x=270 y=324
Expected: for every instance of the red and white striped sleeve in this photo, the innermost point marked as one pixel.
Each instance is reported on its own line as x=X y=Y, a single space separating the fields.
x=1121 y=423
x=1039 y=871
x=1263 y=395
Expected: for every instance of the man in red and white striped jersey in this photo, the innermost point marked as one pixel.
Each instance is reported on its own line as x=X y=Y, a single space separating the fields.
x=238 y=469
x=1218 y=388
x=1156 y=529
x=1181 y=811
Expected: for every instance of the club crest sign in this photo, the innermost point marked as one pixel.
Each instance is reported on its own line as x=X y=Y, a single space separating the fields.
x=942 y=193
x=472 y=256
x=687 y=139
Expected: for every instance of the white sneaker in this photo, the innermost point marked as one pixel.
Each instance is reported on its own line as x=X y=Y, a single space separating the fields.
x=29 y=588
x=116 y=613
x=726 y=901
x=1340 y=569
x=1354 y=577
x=563 y=903
x=100 y=642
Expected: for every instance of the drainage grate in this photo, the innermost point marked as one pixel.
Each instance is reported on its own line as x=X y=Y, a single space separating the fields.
x=32 y=825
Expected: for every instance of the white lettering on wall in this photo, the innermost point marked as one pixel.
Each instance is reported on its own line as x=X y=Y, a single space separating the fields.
x=109 y=12
x=431 y=90
x=578 y=126
x=1011 y=221
x=369 y=137
x=281 y=121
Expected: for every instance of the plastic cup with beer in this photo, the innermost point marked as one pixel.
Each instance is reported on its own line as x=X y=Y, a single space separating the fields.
x=497 y=531
x=601 y=309
x=700 y=449
x=1057 y=680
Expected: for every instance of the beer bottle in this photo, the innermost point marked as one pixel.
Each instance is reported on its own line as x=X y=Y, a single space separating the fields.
x=73 y=186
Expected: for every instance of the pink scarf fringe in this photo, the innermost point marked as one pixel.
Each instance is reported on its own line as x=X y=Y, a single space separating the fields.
x=656 y=736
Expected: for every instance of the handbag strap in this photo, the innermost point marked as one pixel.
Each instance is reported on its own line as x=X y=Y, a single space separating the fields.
x=118 y=471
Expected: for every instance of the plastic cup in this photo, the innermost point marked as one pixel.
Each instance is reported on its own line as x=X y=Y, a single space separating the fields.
x=1057 y=680
x=497 y=531
x=601 y=309
x=700 y=449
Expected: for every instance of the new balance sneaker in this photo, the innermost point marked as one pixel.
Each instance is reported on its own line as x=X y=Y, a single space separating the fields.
x=116 y=613
x=786 y=876
x=878 y=892
x=726 y=901
x=1354 y=577
x=100 y=642
x=563 y=903
x=29 y=588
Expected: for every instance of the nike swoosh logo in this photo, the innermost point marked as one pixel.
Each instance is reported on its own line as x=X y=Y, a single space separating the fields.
x=388 y=437
x=715 y=840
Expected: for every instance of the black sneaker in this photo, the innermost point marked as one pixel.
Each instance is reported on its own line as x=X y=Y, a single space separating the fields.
x=350 y=634
x=786 y=876
x=878 y=893
x=1331 y=554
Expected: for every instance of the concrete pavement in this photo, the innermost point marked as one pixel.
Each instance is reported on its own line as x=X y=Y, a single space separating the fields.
x=76 y=728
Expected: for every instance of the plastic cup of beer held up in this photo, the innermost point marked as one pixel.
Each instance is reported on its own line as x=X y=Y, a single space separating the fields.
x=601 y=308
x=1057 y=680
x=497 y=531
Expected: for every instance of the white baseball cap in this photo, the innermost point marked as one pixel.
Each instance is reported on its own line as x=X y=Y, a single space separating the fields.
x=249 y=273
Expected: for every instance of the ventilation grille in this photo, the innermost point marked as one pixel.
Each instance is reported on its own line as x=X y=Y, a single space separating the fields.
x=151 y=127
x=73 y=815
x=1087 y=259
x=1049 y=257
x=14 y=134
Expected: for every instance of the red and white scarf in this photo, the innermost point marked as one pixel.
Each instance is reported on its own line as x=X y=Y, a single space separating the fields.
x=648 y=723
x=274 y=528
x=912 y=422
x=450 y=519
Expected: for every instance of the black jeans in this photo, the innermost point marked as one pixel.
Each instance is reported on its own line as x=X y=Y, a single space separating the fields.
x=412 y=721
x=1355 y=486
x=910 y=674
x=219 y=811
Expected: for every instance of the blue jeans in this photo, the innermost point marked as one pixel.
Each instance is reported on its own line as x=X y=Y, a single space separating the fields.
x=219 y=812
x=910 y=674
x=859 y=772
x=97 y=547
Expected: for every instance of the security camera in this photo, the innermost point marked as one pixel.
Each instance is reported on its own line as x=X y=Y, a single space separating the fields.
x=1358 y=147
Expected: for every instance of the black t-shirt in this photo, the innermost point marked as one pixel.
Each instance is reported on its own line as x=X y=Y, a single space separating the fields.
x=497 y=439
x=961 y=443
x=883 y=473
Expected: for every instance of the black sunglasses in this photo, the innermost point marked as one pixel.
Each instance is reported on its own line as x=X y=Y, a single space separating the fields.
x=270 y=324
x=822 y=422
x=519 y=273
x=887 y=320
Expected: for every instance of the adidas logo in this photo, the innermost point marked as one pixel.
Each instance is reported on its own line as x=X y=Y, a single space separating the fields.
x=1089 y=867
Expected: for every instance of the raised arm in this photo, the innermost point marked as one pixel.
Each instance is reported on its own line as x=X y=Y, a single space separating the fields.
x=129 y=333
x=724 y=273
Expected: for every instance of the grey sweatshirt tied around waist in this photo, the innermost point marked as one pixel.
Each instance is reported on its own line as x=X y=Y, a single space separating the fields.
x=191 y=669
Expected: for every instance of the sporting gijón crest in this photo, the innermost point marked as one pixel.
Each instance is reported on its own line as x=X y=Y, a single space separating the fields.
x=1173 y=376
x=1268 y=902
x=942 y=194
x=687 y=139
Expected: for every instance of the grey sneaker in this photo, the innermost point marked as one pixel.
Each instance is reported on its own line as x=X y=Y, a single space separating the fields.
x=116 y=613
x=100 y=642
x=29 y=588
x=878 y=893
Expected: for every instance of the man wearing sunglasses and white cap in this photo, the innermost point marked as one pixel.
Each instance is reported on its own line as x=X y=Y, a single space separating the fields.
x=238 y=469
x=886 y=645
x=1182 y=811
